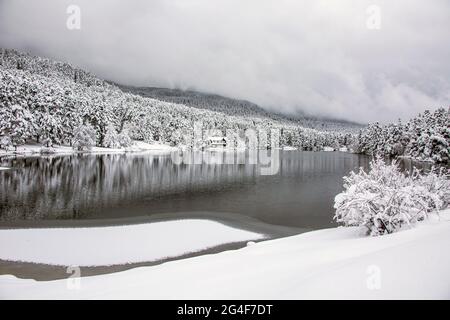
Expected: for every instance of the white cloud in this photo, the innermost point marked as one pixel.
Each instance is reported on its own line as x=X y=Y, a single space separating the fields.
x=315 y=56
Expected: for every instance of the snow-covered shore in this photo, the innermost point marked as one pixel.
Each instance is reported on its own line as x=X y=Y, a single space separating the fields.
x=103 y=246
x=338 y=263
x=138 y=146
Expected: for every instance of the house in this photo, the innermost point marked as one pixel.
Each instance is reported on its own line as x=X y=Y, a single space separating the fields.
x=215 y=142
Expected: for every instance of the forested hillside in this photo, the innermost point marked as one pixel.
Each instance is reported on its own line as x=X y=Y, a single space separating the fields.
x=236 y=107
x=425 y=137
x=55 y=103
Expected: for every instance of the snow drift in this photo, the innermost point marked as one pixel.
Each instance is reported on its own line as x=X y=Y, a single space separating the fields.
x=101 y=246
x=336 y=263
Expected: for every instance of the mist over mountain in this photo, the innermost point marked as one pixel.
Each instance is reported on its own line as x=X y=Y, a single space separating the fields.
x=56 y=103
x=235 y=107
x=313 y=57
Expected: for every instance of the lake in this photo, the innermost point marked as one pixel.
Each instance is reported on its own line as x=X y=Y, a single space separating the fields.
x=123 y=188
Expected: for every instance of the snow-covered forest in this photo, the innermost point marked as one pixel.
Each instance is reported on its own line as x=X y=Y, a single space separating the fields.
x=55 y=103
x=425 y=137
x=236 y=107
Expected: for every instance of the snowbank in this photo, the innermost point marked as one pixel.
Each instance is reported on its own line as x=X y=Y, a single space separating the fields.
x=100 y=246
x=328 y=149
x=137 y=146
x=335 y=263
x=36 y=149
x=143 y=146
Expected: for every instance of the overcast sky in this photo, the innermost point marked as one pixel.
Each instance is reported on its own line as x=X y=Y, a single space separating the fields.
x=316 y=56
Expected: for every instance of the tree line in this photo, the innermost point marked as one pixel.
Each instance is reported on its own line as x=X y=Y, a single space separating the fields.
x=55 y=103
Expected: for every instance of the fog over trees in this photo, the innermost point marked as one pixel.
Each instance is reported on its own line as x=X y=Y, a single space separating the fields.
x=55 y=103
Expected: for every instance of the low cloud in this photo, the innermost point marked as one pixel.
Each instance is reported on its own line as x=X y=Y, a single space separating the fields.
x=312 y=56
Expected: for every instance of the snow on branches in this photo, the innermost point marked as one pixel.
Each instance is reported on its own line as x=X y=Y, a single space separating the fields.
x=56 y=98
x=116 y=140
x=425 y=137
x=385 y=199
x=83 y=138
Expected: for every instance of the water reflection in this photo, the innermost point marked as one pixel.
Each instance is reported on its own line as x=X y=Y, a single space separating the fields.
x=124 y=185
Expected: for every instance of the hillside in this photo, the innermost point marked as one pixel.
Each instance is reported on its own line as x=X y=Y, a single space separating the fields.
x=56 y=103
x=235 y=107
x=425 y=137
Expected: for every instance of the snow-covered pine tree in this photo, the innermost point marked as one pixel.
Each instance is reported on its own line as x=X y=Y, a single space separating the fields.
x=5 y=142
x=84 y=138
x=22 y=125
x=111 y=138
x=116 y=140
x=51 y=129
x=2 y=57
x=124 y=139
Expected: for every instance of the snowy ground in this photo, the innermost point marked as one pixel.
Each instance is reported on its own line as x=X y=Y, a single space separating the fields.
x=103 y=246
x=337 y=263
x=137 y=146
x=143 y=146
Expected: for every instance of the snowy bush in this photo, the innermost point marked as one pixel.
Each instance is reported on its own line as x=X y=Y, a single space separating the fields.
x=433 y=187
x=384 y=199
x=83 y=138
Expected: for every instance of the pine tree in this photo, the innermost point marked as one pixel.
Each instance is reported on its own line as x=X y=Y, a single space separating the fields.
x=21 y=125
x=84 y=138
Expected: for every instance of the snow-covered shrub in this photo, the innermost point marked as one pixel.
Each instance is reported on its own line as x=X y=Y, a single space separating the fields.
x=384 y=199
x=83 y=138
x=433 y=187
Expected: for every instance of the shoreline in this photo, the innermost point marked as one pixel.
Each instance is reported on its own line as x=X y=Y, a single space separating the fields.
x=323 y=264
x=48 y=272
x=35 y=150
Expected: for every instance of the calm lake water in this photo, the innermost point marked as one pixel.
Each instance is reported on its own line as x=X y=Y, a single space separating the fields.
x=39 y=190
